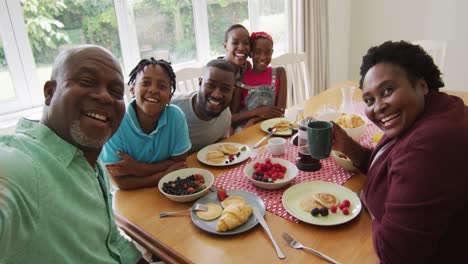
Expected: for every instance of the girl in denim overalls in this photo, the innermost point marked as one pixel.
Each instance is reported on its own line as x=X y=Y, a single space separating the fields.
x=263 y=94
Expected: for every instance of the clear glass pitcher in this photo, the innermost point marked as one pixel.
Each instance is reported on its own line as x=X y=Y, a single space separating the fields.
x=347 y=106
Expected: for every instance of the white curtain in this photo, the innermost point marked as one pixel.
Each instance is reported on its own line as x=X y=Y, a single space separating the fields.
x=308 y=29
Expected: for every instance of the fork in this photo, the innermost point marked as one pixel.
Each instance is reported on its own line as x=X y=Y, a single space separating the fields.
x=294 y=244
x=196 y=207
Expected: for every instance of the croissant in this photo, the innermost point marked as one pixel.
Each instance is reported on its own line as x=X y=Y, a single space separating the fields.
x=233 y=216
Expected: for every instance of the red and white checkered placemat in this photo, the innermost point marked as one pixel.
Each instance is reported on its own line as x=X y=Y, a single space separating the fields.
x=330 y=172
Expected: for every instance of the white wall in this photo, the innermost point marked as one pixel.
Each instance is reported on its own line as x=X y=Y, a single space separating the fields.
x=339 y=20
x=375 y=21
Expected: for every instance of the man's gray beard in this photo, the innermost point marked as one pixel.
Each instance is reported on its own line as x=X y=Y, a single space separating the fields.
x=81 y=139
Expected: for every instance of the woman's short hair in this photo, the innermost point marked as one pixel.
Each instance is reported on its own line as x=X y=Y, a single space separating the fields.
x=412 y=58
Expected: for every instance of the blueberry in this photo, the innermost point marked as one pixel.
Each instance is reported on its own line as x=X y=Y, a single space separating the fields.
x=315 y=212
x=324 y=211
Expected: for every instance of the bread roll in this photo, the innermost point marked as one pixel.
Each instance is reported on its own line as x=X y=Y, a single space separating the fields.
x=233 y=216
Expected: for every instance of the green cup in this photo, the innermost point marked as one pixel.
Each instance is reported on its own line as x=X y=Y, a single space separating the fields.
x=320 y=137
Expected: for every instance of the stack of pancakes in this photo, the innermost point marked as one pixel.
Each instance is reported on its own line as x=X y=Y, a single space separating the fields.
x=282 y=126
x=217 y=155
x=318 y=200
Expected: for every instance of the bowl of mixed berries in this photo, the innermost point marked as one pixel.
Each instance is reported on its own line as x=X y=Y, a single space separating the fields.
x=271 y=173
x=186 y=185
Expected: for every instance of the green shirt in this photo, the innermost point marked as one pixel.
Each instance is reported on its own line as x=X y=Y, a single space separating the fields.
x=54 y=207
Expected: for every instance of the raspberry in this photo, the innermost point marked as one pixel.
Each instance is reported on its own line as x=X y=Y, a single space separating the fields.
x=231 y=156
x=346 y=203
x=333 y=209
x=345 y=211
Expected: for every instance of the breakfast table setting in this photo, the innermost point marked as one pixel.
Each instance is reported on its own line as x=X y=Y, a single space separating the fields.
x=277 y=228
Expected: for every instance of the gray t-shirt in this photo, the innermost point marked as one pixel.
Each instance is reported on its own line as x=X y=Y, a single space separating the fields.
x=202 y=133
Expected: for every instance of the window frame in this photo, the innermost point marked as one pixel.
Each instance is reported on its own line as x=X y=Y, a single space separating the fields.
x=23 y=70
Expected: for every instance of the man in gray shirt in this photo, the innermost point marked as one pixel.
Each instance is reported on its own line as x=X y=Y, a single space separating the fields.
x=207 y=112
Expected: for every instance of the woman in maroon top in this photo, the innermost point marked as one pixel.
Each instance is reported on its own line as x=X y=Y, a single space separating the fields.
x=417 y=176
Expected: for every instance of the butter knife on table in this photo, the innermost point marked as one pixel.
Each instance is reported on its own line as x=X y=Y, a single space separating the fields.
x=256 y=145
x=262 y=222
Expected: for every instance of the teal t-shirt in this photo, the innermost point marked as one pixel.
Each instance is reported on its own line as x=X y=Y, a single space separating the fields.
x=169 y=139
x=54 y=207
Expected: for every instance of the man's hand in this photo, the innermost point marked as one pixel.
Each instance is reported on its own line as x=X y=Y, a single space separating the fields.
x=127 y=166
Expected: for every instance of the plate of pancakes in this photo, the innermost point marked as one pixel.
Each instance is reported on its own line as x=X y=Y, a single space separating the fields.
x=300 y=199
x=283 y=126
x=209 y=220
x=223 y=154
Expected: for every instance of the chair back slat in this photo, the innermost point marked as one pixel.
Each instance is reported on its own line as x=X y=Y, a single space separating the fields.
x=297 y=73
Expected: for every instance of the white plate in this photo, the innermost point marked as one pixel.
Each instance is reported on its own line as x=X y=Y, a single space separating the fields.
x=265 y=125
x=293 y=195
x=201 y=155
x=291 y=173
x=210 y=226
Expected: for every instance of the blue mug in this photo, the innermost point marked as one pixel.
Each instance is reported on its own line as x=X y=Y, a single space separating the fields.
x=320 y=137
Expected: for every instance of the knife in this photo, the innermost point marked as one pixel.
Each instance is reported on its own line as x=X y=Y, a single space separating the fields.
x=262 y=222
x=256 y=145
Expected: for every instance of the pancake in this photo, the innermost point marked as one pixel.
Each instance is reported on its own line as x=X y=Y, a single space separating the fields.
x=309 y=203
x=282 y=126
x=326 y=199
x=228 y=149
x=233 y=200
x=213 y=212
x=215 y=156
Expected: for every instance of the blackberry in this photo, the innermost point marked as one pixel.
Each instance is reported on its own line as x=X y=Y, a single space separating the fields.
x=324 y=211
x=180 y=186
x=315 y=212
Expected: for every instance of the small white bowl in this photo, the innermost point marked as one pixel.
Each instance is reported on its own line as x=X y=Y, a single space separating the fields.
x=184 y=173
x=291 y=173
x=355 y=133
x=343 y=162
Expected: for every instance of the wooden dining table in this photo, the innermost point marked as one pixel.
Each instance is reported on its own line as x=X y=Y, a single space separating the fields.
x=177 y=240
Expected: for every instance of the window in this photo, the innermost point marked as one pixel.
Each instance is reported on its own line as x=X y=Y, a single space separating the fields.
x=8 y=91
x=185 y=32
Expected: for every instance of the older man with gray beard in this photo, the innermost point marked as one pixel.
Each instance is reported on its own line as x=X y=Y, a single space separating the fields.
x=55 y=205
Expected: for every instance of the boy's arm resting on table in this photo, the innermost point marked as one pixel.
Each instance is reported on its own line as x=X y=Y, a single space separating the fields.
x=127 y=182
x=128 y=166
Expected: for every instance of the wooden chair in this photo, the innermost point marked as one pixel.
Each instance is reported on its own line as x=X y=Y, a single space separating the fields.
x=436 y=49
x=187 y=79
x=297 y=72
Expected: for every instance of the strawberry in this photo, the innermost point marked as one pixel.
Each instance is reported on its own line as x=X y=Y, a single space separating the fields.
x=221 y=194
x=191 y=190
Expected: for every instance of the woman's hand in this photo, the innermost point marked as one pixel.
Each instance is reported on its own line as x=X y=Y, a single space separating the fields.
x=340 y=138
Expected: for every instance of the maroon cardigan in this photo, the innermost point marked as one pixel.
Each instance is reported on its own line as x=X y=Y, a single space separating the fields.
x=417 y=190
